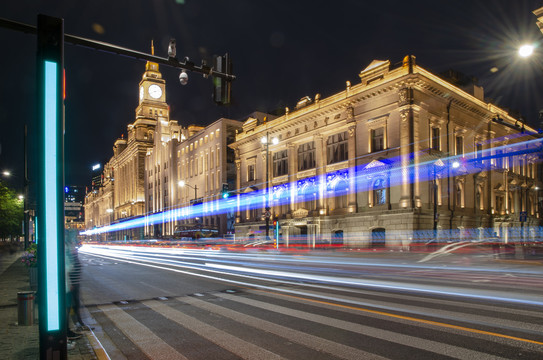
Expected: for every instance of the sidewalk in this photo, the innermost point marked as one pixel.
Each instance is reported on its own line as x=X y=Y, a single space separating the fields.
x=22 y=342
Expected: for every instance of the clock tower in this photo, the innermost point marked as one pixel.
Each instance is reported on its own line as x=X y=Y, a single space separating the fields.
x=152 y=93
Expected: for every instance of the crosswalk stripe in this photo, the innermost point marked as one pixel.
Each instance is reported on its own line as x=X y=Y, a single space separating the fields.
x=311 y=341
x=407 y=340
x=141 y=336
x=237 y=346
x=430 y=311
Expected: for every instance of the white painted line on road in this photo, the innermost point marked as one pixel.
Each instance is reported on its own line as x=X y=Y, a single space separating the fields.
x=141 y=336
x=242 y=348
x=308 y=340
x=398 y=338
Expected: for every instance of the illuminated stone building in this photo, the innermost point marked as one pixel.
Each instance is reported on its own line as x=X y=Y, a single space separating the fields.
x=399 y=157
x=125 y=170
x=99 y=204
x=200 y=158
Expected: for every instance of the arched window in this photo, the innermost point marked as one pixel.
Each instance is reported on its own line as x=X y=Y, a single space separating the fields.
x=337 y=237
x=378 y=237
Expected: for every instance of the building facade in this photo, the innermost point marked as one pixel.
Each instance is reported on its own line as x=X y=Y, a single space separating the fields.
x=188 y=172
x=122 y=192
x=403 y=156
x=142 y=177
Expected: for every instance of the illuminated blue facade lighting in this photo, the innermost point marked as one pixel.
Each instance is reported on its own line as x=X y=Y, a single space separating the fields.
x=50 y=192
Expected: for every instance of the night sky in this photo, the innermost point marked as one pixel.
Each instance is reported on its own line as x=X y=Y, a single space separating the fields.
x=281 y=51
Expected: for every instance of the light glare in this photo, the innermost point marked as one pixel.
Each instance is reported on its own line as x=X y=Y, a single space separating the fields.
x=526 y=50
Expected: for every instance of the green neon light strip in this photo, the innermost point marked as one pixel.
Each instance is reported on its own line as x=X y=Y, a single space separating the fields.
x=50 y=192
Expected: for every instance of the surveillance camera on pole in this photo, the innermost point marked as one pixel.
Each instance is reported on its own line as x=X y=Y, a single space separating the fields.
x=183 y=77
x=171 y=49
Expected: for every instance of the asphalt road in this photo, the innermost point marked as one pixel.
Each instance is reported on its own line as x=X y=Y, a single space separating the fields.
x=151 y=303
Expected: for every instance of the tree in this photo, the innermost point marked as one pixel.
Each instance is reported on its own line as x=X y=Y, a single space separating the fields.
x=11 y=212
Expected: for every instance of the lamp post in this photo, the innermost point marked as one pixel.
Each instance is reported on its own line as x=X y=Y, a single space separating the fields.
x=182 y=183
x=23 y=198
x=435 y=169
x=266 y=141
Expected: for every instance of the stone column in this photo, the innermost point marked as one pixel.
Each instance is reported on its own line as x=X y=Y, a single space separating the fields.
x=320 y=159
x=238 y=186
x=405 y=158
x=351 y=196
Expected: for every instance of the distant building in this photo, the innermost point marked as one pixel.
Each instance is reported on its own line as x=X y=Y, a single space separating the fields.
x=74 y=214
x=387 y=161
x=125 y=196
x=142 y=177
x=200 y=158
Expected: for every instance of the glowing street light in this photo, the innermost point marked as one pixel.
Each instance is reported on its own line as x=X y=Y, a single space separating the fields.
x=526 y=50
x=6 y=173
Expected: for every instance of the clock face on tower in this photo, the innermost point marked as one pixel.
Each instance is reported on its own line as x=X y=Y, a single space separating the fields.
x=155 y=91
x=141 y=93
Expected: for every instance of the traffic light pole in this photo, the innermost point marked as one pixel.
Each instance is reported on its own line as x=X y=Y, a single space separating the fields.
x=119 y=50
x=53 y=324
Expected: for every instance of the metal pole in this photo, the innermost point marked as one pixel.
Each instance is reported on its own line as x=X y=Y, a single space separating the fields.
x=25 y=194
x=267 y=187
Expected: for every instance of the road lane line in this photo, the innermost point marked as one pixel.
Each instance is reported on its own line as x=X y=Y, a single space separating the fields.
x=280 y=290
x=308 y=340
x=393 y=337
x=141 y=336
x=235 y=345
x=409 y=318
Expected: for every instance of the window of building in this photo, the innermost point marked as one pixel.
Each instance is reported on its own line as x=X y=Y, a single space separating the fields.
x=306 y=156
x=436 y=139
x=479 y=155
x=379 y=192
x=499 y=205
x=459 y=195
x=251 y=172
x=459 y=145
x=280 y=163
x=341 y=191
x=337 y=148
x=378 y=139
x=479 y=198
x=212 y=159
x=521 y=167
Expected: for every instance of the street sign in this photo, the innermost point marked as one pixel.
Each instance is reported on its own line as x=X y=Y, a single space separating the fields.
x=267 y=214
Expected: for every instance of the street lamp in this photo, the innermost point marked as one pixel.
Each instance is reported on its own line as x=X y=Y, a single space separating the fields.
x=437 y=164
x=23 y=197
x=266 y=141
x=182 y=183
x=526 y=50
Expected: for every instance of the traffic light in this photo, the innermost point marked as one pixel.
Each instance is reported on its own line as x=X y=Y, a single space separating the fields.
x=224 y=192
x=222 y=87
